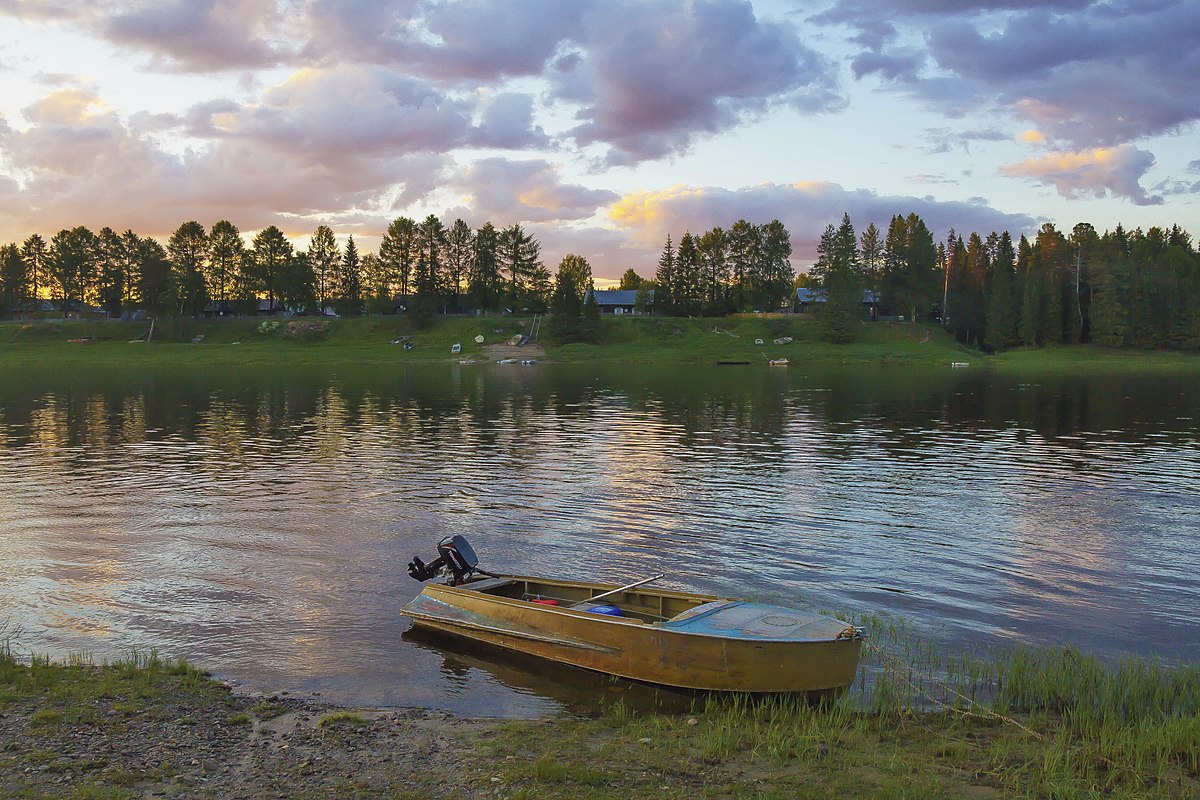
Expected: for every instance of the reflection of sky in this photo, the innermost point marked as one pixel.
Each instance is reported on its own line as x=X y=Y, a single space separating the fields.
x=264 y=532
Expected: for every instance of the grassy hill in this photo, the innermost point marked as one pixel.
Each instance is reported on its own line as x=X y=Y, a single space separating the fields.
x=643 y=340
x=369 y=340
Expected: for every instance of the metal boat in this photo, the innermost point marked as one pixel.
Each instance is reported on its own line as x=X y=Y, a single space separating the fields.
x=672 y=638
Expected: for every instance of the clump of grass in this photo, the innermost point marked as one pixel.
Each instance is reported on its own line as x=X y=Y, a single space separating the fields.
x=341 y=718
x=268 y=709
x=238 y=719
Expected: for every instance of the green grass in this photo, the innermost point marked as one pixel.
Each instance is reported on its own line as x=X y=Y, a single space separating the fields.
x=920 y=721
x=368 y=341
x=649 y=340
x=341 y=719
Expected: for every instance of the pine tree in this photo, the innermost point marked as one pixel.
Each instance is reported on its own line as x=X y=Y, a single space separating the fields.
x=778 y=274
x=871 y=251
x=527 y=280
x=1001 y=320
x=687 y=295
x=837 y=253
x=188 y=248
x=226 y=255
x=566 y=304
x=713 y=249
x=35 y=253
x=664 y=282
x=14 y=278
x=591 y=330
x=350 y=294
x=460 y=247
x=484 y=281
x=110 y=272
x=630 y=280
x=398 y=255
x=324 y=256
x=270 y=256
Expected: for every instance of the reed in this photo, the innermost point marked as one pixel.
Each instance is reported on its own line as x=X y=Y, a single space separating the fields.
x=1049 y=722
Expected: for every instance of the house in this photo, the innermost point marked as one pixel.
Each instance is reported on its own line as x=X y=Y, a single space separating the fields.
x=621 y=301
x=807 y=298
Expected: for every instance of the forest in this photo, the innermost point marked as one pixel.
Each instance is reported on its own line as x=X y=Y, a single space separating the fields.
x=1119 y=288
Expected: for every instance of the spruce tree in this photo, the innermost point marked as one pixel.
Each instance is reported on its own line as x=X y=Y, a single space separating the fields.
x=664 y=281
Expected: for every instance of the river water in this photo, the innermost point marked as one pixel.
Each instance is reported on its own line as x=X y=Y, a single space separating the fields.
x=258 y=521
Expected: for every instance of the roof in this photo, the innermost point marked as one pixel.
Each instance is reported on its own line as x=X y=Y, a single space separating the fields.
x=806 y=295
x=620 y=297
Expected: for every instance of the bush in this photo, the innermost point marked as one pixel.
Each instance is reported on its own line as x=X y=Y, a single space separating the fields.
x=268 y=326
x=306 y=331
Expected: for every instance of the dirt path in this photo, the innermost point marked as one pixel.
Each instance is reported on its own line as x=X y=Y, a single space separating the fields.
x=499 y=352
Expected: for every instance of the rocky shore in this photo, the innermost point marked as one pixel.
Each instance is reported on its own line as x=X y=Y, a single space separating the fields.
x=218 y=745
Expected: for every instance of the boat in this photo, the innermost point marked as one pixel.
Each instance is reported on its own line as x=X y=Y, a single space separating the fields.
x=455 y=348
x=779 y=362
x=959 y=364
x=784 y=340
x=659 y=636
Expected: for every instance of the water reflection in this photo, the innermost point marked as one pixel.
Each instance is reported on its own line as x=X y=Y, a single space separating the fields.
x=258 y=520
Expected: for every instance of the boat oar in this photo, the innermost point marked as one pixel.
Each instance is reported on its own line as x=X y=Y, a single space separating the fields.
x=633 y=585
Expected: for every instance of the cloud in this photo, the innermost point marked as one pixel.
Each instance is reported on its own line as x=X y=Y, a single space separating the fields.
x=202 y=35
x=187 y=35
x=1031 y=136
x=943 y=140
x=651 y=76
x=530 y=190
x=1087 y=73
x=805 y=208
x=1107 y=75
x=900 y=64
x=507 y=123
x=80 y=164
x=355 y=110
x=1097 y=172
x=481 y=40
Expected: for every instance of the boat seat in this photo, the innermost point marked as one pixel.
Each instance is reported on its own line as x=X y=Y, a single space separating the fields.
x=488 y=584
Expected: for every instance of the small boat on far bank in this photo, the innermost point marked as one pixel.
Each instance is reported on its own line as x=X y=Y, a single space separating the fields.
x=779 y=362
x=672 y=638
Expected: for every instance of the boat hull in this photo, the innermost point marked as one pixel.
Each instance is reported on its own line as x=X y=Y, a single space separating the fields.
x=704 y=653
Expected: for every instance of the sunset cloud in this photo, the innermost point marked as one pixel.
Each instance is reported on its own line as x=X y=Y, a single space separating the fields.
x=654 y=75
x=531 y=190
x=80 y=167
x=1097 y=172
x=804 y=207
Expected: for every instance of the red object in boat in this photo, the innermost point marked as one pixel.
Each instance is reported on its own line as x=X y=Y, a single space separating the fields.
x=545 y=601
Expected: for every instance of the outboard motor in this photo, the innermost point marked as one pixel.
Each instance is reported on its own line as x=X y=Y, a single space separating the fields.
x=456 y=561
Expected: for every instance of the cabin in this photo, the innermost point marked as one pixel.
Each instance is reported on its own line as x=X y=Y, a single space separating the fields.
x=807 y=298
x=621 y=301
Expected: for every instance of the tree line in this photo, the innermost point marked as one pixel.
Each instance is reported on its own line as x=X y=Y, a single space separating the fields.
x=722 y=271
x=1120 y=288
x=425 y=265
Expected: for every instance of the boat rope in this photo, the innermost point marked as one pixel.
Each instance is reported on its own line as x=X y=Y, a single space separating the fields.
x=903 y=670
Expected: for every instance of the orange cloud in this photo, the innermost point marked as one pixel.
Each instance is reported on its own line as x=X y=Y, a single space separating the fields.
x=1097 y=172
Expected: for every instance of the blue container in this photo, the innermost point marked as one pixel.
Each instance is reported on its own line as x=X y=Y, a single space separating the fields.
x=610 y=611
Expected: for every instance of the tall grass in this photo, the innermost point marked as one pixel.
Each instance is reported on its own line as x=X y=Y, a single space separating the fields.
x=1050 y=722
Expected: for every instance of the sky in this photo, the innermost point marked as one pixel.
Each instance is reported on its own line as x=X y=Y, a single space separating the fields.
x=601 y=126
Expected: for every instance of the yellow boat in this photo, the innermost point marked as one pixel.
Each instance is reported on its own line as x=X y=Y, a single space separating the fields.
x=679 y=639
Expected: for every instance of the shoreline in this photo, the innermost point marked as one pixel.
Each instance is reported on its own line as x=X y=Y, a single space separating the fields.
x=1060 y=723
x=645 y=340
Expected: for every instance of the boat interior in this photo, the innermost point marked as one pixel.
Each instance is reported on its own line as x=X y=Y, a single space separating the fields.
x=635 y=605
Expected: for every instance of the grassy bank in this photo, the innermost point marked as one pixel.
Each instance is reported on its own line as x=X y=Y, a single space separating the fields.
x=646 y=340
x=1025 y=724
x=369 y=341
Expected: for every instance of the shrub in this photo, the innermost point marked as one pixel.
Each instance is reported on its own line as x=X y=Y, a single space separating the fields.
x=307 y=331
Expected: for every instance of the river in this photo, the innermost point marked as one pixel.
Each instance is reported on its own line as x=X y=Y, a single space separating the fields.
x=258 y=521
